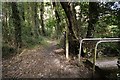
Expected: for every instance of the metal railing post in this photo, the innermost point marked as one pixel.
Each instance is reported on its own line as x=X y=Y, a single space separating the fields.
x=93 y=39
x=79 y=55
x=94 y=59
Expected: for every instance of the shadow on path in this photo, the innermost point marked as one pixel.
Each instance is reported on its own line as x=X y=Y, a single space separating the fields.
x=43 y=62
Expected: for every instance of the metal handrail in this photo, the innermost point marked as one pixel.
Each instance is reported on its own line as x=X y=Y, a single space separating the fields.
x=103 y=41
x=93 y=39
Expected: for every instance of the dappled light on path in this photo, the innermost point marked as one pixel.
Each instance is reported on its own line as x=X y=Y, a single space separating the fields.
x=43 y=62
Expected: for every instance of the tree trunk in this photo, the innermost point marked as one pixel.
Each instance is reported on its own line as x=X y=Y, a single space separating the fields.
x=36 y=20
x=76 y=24
x=73 y=38
x=42 y=18
x=71 y=19
x=119 y=29
x=93 y=18
x=4 y=24
x=119 y=22
x=31 y=10
x=58 y=28
x=23 y=12
x=29 y=17
x=17 y=25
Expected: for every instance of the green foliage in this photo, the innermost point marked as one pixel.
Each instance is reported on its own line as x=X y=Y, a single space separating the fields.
x=50 y=25
x=106 y=26
x=31 y=42
x=28 y=39
x=112 y=48
x=7 y=50
x=84 y=8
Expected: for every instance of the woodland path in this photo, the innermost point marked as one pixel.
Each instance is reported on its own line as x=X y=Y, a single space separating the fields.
x=42 y=62
x=107 y=63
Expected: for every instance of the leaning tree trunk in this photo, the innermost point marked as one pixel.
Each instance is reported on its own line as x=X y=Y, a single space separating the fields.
x=73 y=38
x=93 y=17
x=71 y=19
x=17 y=25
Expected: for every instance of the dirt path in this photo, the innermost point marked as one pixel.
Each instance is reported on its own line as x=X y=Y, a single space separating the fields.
x=43 y=62
x=107 y=63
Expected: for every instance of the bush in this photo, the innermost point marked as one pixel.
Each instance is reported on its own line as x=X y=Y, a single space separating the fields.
x=7 y=51
x=32 y=41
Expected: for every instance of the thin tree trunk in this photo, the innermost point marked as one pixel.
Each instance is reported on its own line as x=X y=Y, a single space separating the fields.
x=23 y=13
x=93 y=18
x=42 y=19
x=119 y=21
x=32 y=19
x=17 y=25
x=119 y=28
x=29 y=16
x=36 y=20
x=5 y=23
x=58 y=28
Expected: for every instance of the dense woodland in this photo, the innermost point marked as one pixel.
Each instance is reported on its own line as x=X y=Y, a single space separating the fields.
x=28 y=24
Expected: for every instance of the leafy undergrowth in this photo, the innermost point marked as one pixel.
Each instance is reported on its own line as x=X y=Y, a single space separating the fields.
x=8 y=51
x=42 y=62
